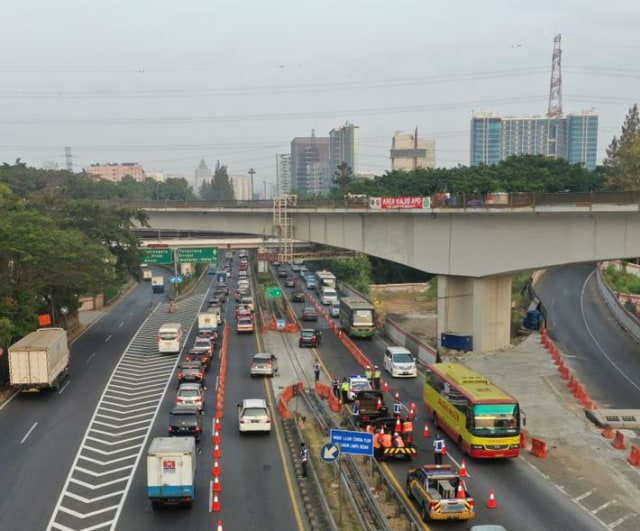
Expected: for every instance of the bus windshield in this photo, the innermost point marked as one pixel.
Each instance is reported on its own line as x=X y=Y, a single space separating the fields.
x=363 y=317
x=496 y=420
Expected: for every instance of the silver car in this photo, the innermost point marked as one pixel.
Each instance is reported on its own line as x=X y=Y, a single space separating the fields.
x=263 y=364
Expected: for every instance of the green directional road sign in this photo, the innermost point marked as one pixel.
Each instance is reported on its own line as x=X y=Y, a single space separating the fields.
x=162 y=255
x=197 y=255
x=273 y=293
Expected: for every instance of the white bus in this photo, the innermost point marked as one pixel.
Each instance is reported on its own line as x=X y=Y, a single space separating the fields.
x=170 y=338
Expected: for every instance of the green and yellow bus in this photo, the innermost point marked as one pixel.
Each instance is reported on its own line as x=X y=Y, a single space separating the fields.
x=481 y=418
x=358 y=317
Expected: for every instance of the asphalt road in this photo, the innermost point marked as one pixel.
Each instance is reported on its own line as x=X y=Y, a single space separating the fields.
x=526 y=501
x=605 y=358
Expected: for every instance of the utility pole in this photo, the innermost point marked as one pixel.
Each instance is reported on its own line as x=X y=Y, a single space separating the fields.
x=68 y=159
x=554 y=113
x=264 y=183
x=252 y=172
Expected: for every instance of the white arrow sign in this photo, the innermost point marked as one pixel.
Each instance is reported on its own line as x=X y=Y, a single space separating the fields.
x=329 y=453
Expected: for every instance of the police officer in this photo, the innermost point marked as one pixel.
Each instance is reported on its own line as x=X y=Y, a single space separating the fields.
x=397 y=408
x=439 y=449
x=335 y=387
x=304 y=458
x=377 y=374
x=368 y=374
x=316 y=371
x=344 y=388
x=355 y=411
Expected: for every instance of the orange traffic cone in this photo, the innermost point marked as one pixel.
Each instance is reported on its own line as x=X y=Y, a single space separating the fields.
x=397 y=396
x=216 y=504
x=381 y=430
x=219 y=528
x=461 y=494
x=463 y=470
x=216 y=437
x=216 y=484
x=398 y=425
x=216 y=451
x=216 y=468
x=426 y=433
x=385 y=387
x=491 y=504
x=379 y=406
x=218 y=424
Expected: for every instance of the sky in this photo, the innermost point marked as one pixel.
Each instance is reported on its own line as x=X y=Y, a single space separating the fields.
x=166 y=83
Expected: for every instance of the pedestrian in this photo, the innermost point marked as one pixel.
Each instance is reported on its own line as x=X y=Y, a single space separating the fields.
x=377 y=374
x=316 y=371
x=439 y=449
x=304 y=458
x=335 y=387
x=355 y=411
x=344 y=389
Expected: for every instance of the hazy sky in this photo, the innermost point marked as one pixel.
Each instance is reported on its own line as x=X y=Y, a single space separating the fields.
x=165 y=83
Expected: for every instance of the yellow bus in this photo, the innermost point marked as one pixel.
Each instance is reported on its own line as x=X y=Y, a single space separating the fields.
x=481 y=418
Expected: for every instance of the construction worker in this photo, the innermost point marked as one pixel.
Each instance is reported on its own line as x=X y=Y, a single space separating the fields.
x=304 y=458
x=397 y=441
x=439 y=449
x=377 y=444
x=344 y=388
x=335 y=387
x=407 y=429
x=386 y=440
x=368 y=374
x=377 y=374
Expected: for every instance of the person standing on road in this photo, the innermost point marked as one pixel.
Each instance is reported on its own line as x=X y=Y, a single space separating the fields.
x=344 y=388
x=335 y=387
x=316 y=371
x=377 y=374
x=304 y=458
x=368 y=374
x=439 y=449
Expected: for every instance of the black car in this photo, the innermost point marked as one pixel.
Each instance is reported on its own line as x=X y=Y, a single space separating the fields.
x=185 y=421
x=199 y=355
x=309 y=314
x=298 y=296
x=309 y=338
x=220 y=295
x=191 y=371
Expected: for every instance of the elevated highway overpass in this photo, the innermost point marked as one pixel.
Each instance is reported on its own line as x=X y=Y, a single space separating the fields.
x=473 y=250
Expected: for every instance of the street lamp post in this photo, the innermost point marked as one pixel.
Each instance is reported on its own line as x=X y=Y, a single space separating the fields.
x=252 y=172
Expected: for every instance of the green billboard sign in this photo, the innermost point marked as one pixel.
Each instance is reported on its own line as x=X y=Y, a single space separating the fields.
x=273 y=293
x=162 y=255
x=197 y=255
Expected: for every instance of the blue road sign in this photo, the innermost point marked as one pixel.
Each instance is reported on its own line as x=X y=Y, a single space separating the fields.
x=353 y=442
x=176 y=280
x=329 y=453
x=280 y=324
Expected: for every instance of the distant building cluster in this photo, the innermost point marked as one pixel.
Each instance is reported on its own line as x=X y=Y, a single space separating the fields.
x=408 y=152
x=117 y=171
x=573 y=137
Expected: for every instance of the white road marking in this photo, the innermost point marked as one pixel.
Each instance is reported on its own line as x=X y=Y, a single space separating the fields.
x=90 y=357
x=8 y=400
x=121 y=325
x=583 y=496
x=603 y=506
x=210 y=495
x=108 y=338
x=29 y=432
x=626 y=517
x=64 y=386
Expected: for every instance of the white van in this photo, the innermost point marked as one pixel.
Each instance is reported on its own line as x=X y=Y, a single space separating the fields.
x=253 y=415
x=170 y=338
x=399 y=362
x=328 y=295
x=334 y=311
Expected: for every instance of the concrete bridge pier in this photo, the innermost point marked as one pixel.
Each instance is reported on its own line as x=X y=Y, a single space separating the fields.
x=479 y=307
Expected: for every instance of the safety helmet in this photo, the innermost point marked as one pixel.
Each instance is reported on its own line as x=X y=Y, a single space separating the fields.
x=395 y=434
x=376 y=366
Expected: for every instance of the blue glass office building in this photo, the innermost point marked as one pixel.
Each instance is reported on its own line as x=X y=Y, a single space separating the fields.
x=486 y=139
x=582 y=139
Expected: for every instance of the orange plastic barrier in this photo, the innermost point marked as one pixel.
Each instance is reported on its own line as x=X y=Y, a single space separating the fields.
x=524 y=441
x=608 y=433
x=539 y=447
x=323 y=390
x=618 y=441
x=564 y=372
x=334 y=404
x=634 y=456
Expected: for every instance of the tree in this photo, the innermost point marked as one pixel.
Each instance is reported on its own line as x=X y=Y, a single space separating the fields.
x=622 y=163
x=342 y=177
x=219 y=188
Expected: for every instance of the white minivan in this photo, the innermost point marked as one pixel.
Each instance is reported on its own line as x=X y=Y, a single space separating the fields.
x=253 y=415
x=170 y=338
x=328 y=295
x=334 y=311
x=399 y=362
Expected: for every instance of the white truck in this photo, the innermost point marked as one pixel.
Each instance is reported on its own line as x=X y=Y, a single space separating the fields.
x=40 y=360
x=157 y=284
x=208 y=321
x=171 y=471
x=147 y=274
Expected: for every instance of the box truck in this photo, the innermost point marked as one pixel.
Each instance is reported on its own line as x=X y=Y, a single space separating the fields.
x=157 y=284
x=208 y=321
x=171 y=471
x=40 y=360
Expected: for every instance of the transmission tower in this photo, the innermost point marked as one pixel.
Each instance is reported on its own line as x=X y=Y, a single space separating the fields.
x=68 y=159
x=554 y=113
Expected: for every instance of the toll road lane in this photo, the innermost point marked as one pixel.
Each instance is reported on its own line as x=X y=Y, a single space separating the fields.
x=36 y=469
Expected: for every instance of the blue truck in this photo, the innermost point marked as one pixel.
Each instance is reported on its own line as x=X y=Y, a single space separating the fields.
x=171 y=471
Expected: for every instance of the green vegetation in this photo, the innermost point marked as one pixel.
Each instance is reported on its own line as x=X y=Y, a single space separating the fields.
x=219 y=188
x=619 y=280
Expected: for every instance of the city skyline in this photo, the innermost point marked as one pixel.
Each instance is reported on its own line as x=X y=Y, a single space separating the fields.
x=196 y=93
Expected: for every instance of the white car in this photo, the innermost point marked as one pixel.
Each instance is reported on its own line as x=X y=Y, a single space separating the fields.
x=253 y=415
x=399 y=362
x=357 y=382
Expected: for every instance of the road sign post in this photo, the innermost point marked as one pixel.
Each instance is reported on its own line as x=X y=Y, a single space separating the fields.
x=329 y=453
x=353 y=442
x=273 y=292
x=152 y=255
x=196 y=255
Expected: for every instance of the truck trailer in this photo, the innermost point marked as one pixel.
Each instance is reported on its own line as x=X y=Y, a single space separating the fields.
x=171 y=471
x=40 y=360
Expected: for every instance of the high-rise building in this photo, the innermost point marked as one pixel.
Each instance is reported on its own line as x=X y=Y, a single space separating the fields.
x=284 y=173
x=116 y=172
x=241 y=187
x=573 y=137
x=202 y=173
x=343 y=147
x=310 y=164
x=409 y=152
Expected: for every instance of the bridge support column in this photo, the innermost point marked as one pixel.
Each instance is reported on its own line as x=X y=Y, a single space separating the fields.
x=479 y=307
